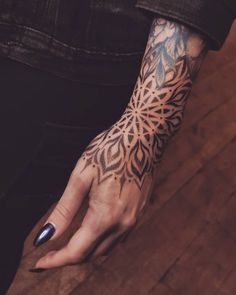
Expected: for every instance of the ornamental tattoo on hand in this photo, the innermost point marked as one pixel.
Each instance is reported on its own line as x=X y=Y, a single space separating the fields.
x=131 y=148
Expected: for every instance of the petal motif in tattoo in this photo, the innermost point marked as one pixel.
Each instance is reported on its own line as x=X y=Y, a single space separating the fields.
x=131 y=148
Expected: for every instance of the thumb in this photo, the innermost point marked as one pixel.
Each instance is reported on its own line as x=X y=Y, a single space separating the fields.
x=65 y=210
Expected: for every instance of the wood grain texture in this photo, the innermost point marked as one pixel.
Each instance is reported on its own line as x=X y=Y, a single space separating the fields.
x=185 y=243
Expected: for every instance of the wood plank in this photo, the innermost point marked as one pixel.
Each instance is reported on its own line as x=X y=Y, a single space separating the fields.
x=161 y=289
x=229 y=285
x=202 y=268
x=227 y=216
x=191 y=274
x=209 y=142
x=156 y=245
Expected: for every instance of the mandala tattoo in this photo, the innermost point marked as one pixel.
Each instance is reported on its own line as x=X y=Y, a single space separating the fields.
x=131 y=148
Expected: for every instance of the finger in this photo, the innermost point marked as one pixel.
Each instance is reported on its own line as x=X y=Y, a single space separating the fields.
x=111 y=241
x=126 y=235
x=65 y=210
x=83 y=242
x=107 y=245
x=129 y=228
x=67 y=255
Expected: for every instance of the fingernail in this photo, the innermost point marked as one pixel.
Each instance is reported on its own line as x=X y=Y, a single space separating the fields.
x=37 y=270
x=45 y=233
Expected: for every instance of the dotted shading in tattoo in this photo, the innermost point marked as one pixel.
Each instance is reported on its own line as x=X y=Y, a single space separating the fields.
x=131 y=148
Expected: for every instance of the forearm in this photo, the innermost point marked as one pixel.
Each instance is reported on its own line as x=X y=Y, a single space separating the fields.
x=171 y=61
x=132 y=147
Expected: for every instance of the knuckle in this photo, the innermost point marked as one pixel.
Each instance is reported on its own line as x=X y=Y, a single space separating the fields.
x=129 y=222
x=77 y=181
x=75 y=175
x=121 y=205
x=108 y=218
x=107 y=215
x=62 y=212
x=103 y=223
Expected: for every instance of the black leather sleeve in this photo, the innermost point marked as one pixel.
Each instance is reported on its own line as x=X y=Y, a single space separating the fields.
x=213 y=18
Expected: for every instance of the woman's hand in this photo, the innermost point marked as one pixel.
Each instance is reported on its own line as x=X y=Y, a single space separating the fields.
x=115 y=173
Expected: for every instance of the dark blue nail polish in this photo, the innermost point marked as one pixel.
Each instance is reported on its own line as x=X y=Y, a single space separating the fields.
x=37 y=270
x=44 y=234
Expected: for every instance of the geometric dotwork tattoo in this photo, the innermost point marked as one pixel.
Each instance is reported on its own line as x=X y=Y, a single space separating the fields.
x=132 y=147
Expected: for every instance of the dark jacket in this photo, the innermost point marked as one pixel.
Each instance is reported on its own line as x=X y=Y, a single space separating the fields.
x=100 y=41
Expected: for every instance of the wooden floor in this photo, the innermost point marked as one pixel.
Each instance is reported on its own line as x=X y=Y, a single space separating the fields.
x=186 y=242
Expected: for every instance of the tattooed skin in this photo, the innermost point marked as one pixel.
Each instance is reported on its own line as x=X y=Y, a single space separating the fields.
x=131 y=148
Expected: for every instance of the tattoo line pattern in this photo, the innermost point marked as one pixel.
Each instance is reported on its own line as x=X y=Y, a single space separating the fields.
x=131 y=148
